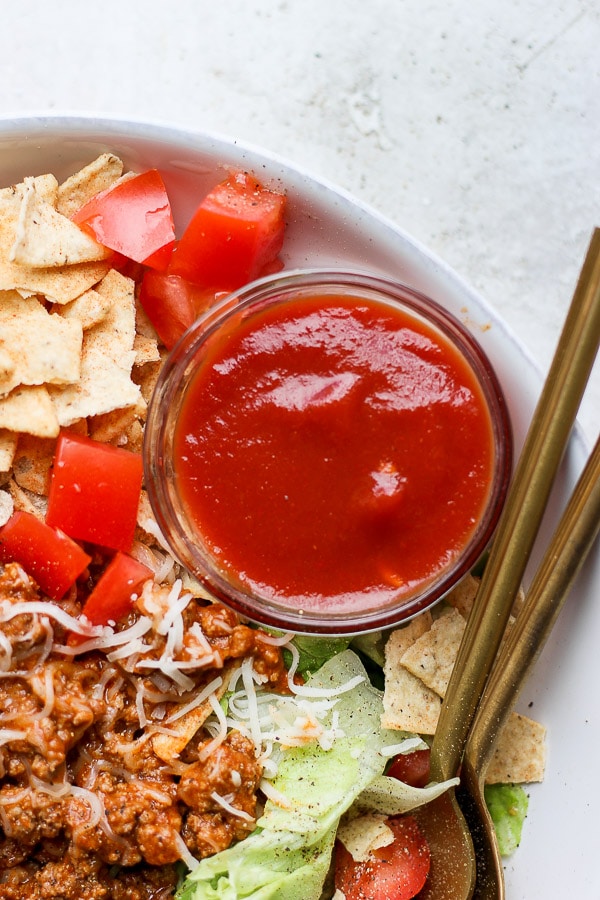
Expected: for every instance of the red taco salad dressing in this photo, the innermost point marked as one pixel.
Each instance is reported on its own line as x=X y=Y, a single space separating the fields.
x=333 y=453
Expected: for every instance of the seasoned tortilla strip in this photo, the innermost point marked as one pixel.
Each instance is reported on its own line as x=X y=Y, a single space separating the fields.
x=520 y=754
x=408 y=705
x=45 y=238
x=80 y=187
x=431 y=657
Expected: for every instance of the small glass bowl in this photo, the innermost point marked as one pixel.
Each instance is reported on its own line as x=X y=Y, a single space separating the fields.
x=184 y=536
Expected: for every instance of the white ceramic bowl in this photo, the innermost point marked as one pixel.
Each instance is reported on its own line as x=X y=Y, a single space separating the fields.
x=329 y=228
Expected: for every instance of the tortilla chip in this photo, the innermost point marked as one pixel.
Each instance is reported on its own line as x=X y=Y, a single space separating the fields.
x=103 y=386
x=27 y=501
x=44 y=348
x=121 y=427
x=46 y=187
x=90 y=308
x=57 y=285
x=146 y=377
x=29 y=410
x=44 y=238
x=8 y=446
x=404 y=637
x=431 y=657
x=408 y=705
x=463 y=595
x=143 y=325
x=146 y=350
x=83 y=185
x=7 y=368
x=520 y=753
x=363 y=834
x=32 y=462
x=107 y=359
x=6 y=507
x=119 y=334
x=168 y=746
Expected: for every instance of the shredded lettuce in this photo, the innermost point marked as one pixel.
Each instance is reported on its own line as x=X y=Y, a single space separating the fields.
x=288 y=856
x=508 y=804
x=371 y=645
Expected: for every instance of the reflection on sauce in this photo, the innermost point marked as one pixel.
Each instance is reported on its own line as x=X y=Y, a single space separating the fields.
x=333 y=448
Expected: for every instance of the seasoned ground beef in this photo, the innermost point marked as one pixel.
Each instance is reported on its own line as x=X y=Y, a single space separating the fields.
x=88 y=809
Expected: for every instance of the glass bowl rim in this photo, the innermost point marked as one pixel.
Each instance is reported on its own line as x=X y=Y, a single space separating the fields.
x=158 y=471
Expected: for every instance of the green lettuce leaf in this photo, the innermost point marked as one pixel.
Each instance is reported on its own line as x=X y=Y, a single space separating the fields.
x=265 y=866
x=314 y=652
x=288 y=856
x=508 y=805
x=371 y=645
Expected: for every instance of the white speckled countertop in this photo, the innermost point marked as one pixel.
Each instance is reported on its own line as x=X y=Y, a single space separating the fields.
x=474 y=126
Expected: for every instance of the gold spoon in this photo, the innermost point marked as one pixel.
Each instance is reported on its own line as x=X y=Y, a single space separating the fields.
x=511 y=548
x=573 y=539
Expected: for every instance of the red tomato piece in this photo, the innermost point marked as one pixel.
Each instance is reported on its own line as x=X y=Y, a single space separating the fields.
x=133 y=218
x=94 y=491
x=51 y=558
x=172 y=304
x=116 y=589
x=396 y=872
x=236 y=232
x=411 y=768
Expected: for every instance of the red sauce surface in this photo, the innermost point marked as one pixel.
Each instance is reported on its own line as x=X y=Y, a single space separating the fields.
x=331 y=449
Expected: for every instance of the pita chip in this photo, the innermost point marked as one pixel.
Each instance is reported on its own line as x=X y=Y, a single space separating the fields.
x=122 y=427
x=46 y=187
x=146 y=350
x=44 y=348
x=431 y=657
x=32 y=463
x=46 y=239
x=408 y=704
x=146 y=377
x=27 y=501
x=520 y=753
x=89 y=308
x=107 y=359
x=29 y=410
x=463 y=595
x=80 y=187
x=58 y=285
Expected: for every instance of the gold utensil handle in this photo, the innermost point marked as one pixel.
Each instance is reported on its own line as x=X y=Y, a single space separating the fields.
x=574 y=537
x=520 y=519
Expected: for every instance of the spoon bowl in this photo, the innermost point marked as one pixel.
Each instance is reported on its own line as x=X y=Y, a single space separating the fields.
x=453 y=851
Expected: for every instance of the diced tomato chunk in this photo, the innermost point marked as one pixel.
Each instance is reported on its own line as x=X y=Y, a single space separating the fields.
x=173 y=304
x=133 y=218
x=397 y=871
x=411 y=768
x=95 y=491
x=113 y=594
x=51 y=558
x=236 y=232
